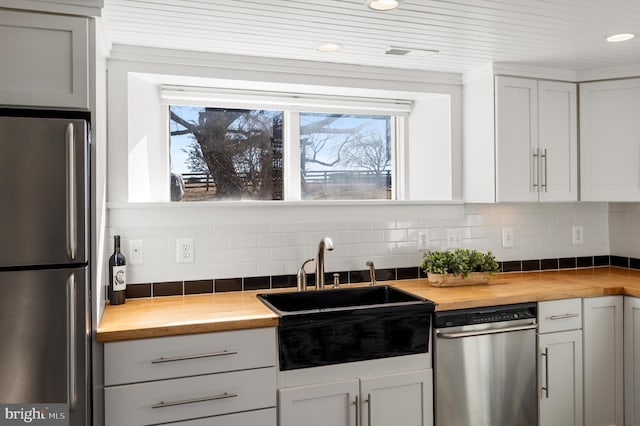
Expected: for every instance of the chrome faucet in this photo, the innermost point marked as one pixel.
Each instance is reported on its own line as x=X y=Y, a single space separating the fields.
x=372 y=272
x=327 y=244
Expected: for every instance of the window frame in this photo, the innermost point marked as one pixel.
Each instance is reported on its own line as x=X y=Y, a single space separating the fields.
x=297 y=104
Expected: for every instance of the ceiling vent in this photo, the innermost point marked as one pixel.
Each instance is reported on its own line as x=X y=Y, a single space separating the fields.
x=410 y=52
x=397 y=51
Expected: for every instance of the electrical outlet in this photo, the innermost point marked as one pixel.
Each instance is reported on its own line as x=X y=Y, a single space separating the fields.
x=135 y=252
x=185 y=251
x=578 y=234
x=454 y=237
x=423 y=240
x=507 y=237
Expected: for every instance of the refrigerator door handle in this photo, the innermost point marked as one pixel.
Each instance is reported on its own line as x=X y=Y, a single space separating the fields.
x=71 y=318
x=72 y=224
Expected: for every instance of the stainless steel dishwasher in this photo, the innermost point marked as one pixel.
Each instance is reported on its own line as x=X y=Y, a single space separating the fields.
x=485 y=366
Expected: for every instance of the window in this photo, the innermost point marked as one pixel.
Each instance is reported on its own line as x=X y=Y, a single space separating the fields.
x=238 y=154
x=225 y=154
x=345 y=157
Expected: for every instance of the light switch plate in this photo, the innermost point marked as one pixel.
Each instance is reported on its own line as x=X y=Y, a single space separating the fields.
x=136 y=254
x=578 y=234
x=507 y=237
x=454 y=237
x=423 y=240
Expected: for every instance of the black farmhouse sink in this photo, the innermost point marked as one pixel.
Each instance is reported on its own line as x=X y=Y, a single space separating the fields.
x=345 y=325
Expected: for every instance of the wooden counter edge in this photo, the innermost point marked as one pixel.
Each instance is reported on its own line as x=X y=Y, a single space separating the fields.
x=104 y=336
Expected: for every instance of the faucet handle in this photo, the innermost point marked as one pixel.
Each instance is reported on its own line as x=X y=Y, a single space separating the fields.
x=372 y=272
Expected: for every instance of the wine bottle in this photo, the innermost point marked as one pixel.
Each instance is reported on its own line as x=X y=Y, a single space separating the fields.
x=117 y=274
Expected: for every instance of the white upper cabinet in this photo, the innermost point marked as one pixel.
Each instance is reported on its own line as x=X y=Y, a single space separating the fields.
x=536 y=140
x=558 y=141
x=44 y=60
x=610 y=140
x=519 y=140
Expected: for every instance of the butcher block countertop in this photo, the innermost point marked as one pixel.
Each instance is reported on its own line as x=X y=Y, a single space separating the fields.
x=177 y=315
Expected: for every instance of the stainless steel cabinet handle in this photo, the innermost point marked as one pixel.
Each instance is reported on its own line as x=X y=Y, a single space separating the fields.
x=483 y=332
x=189 y=357
x=544 y=160
x=72 y=230
x=563 y=316
x=71 y=318
x=536 y=170
x=225 y=395
x=357 y=404
x=369 y=404
x=545 y=388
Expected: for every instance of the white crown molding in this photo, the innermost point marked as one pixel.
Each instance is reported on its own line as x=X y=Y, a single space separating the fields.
x=626 y=71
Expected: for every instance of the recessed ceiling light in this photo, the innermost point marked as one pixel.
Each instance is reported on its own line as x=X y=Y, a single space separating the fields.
x=615 y=38
x=329 y=47
x=383 y=4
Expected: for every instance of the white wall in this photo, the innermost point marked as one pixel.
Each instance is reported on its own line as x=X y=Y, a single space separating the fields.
x=256 y=240
x=624 y=221
x=138 y=148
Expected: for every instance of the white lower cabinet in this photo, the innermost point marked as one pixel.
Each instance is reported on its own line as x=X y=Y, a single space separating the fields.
x=219 y=379
x=560 y=376
x=560 y=379
x=603 y=361
x=632 y=361
x=401 y=399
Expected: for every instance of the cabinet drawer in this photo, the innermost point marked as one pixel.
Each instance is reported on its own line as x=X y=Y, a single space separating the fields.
x=559 y=315
x=168 y=357
x=252 y=418
x=189 y=397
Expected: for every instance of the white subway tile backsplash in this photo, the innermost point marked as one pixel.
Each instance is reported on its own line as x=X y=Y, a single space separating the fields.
x=235 y=242
x=395 y=235
x=284 y=253
x=243 y=240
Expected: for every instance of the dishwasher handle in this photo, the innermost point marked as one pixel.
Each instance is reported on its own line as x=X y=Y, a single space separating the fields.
x=460 y=334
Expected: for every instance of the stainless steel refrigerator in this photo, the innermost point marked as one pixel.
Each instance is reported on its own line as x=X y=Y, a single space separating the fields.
x=45 y=321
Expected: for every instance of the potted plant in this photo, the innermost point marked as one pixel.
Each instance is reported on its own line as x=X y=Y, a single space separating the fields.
x=459 y=267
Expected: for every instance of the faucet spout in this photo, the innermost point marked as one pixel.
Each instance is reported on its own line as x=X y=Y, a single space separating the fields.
x=325 y=244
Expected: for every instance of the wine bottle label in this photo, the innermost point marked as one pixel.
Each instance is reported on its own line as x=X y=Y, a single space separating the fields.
x=119 y=278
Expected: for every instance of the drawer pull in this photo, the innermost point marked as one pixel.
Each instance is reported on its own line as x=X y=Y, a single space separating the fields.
x=190 y=357
x=225 y=395
x=563 y=316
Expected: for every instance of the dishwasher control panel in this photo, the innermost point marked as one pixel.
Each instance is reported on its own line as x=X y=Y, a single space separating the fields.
x=485 y=315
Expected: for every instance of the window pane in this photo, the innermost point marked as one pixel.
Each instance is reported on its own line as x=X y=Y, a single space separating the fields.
x=345 y=157
x=225 y=154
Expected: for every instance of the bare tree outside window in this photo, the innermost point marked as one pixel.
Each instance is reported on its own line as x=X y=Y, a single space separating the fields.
x=345 y=156
x=228 y=153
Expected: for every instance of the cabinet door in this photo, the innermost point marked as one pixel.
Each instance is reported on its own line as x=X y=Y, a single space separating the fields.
x=560 y=378
x=610 y=141
x=603 y=361
x=516 y=139
x=632 y=361
x=332 y=404
x=48 y=67
x=399 y=399
x=558 y=141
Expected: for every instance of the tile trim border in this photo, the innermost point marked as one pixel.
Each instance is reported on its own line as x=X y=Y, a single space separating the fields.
x=352 y=277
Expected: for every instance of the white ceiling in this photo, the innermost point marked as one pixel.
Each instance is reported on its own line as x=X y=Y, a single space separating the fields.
x=567 y=34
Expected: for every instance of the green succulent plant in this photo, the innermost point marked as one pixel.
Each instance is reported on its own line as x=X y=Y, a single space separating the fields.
x=459 y=262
